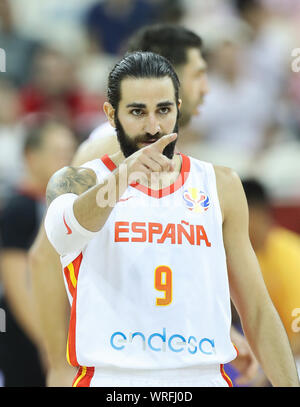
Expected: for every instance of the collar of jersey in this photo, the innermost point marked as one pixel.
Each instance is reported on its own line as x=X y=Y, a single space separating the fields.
x=157 y=193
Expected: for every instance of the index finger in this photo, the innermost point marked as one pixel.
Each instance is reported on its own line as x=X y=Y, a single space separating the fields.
x=164 y=141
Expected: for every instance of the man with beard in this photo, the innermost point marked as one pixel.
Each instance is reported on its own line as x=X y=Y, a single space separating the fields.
x=184 y=49
x=165 y=218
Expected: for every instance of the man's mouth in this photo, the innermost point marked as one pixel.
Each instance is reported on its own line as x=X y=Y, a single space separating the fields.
x=149 y=141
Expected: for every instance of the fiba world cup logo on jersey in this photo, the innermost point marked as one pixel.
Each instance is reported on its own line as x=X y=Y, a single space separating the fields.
x=196 y=200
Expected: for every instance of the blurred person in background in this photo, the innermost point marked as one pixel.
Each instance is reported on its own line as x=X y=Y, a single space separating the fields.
x=48 y=146
x=238 y=112
x=52 y=23
x=248 y=49
x=53 y=89
x=183 y=48
x=278 y=253
x=170 y=11
x=267 y=54
x=110 y=23
x=19 y=49
x=11 y=139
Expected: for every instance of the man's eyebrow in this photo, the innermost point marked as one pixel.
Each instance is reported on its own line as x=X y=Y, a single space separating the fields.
x=137 y=105
x=166 y=103
x=143 y=106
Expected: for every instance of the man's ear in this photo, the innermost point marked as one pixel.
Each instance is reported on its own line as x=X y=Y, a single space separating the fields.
x=179 y=104
x=110 y=113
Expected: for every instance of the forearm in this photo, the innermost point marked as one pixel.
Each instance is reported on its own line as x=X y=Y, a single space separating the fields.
x=50 y=299
x=93 y=207
x=21 y=305
x=260 y=321
x=18 y=293
x=52 y=308
x=269 y=342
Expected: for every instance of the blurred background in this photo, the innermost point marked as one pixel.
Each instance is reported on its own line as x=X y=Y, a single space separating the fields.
x=58 y=55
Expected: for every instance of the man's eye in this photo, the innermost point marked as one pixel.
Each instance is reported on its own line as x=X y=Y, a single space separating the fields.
x=136 y=112
x=164 y=110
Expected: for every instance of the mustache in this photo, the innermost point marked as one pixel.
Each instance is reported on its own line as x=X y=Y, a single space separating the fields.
x=148 y=137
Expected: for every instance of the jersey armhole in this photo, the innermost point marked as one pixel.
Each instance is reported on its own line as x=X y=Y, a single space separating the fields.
x=214 y=190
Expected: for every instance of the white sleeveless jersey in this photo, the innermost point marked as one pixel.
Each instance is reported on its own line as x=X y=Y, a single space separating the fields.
x=150 y=290
x=104 y=130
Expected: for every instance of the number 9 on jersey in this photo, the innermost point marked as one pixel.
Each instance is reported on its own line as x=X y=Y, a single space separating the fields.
x=163 y=282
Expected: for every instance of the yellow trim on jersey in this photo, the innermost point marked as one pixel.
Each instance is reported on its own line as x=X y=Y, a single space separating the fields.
x=67 y=352
x=83 y=373
x=224 y=374
x=72 y=274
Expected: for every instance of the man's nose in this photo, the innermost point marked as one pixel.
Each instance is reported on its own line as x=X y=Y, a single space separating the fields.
x=152 y=125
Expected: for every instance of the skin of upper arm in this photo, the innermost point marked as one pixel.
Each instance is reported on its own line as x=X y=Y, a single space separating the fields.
x=76 y=180
x=243 y=268
x=13 y=266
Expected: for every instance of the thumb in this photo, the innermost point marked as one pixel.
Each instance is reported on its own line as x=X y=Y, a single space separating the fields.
x=160 y=144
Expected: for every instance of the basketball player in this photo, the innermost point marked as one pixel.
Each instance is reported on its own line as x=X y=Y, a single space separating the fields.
x=144 y=243
x=186 y=56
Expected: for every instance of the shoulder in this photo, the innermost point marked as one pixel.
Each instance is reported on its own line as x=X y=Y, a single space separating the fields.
x=74 y=180
x=226 y=176
x=96 y=148
x=229 y=187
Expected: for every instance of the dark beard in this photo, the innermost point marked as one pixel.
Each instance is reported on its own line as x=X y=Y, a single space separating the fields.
x=129 y=146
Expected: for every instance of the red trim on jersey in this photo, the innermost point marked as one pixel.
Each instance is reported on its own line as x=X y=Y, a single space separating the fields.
x=69 y=230
x=159 y=193
x=85 y=375
x=237 y=351
x=108 y=162
x=78 y=374
x=225 y=376
x=72 y=325
x=69 y=283
x=76 y=265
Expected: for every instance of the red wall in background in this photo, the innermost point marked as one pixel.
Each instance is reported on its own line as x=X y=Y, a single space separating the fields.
x=287 y=216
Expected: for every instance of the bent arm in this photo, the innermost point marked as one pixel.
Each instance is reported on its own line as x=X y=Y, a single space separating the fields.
x=260 y=321
x=87 y=213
